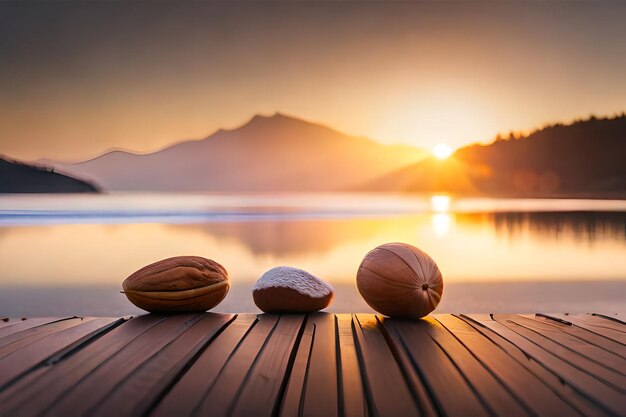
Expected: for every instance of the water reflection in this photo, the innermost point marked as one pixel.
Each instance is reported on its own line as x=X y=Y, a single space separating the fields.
x=442 y=222
x=467 y=247
x=582 y=226
x=440 y=203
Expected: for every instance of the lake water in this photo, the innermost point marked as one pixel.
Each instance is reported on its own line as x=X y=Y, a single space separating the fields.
x=67 y=254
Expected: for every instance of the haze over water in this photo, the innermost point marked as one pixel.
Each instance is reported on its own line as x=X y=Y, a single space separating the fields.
x=68 y=254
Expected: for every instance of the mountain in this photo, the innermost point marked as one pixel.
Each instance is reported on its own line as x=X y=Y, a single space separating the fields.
x=586 y=157
x=274 y=153
x=18 y=177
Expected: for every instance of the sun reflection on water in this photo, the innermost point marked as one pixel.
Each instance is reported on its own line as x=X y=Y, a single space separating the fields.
x=440 y=203
x=442 y=222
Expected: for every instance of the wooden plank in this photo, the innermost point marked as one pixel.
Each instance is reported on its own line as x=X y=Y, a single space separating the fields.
x=614 y=318
x=594 y=324
x=8 y=321
x=19 y=340
x=386 y=389
x=320 y=393
x=260 y=396
x=35 y=393
x=493 y=393
x=21 y=361
x=192 y=387
x=581 y=401
x=323 y=365
x=221 y=398
x=97 y=385
x=350 y=383
x=566 y=347
x=18 y=325
x=440 y=375
x=616 y=351
x=292 y=399
x=137 y=394
x=596 y=391
x=419 y=390
x=537 y=395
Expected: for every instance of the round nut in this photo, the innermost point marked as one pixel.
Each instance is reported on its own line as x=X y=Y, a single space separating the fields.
x=179 y=284
x=291 y=290
x=399 y=280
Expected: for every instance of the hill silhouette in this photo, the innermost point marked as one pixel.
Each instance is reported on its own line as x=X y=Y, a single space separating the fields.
x=269 y=153
x=585 y=158
x=18 y=177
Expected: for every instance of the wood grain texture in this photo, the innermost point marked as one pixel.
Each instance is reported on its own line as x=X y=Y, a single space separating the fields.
x=192 y=387
x=353 y=400
x=222 y=397
x=48 y=384
x=291 y=404
x=495 y=396
x=320 y=395
x=136 y=395
x=440 y=375
x=17 y=325
x=260 y=395
x=529 y=389
x=574 y=351
x=97 y=385
x=313 y=365
x=593 y=387
x=20 y=361
x=594 y=324
x=387 y=391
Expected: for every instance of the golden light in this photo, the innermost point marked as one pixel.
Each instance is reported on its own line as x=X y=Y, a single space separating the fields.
x=441 y=223
x=442 y=151
x=440 y=203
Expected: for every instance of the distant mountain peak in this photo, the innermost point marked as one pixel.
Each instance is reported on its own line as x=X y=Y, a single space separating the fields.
x=276 y=152
x=276 y=117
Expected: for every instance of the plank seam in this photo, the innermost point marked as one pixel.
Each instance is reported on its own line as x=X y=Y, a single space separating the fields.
x=364 y=380
x=435 y=402
x=230 y=356
x=186 y=368
x=558 y=320
x=186 y=325
x=306 y=373
x=396 y=355
x=597 y=377
x=467 y=381
x=604 y=316
x=64 y=393
x=292 y=358
x=338 y=373
x=246 y=378
x=591 y=328
x=66 y=352
x=23 y=319
x=591 y=400
x=587 y=342
x=488 y=369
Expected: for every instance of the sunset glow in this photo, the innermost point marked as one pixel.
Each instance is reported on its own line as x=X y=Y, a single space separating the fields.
x=442 y=151
x=428 y=74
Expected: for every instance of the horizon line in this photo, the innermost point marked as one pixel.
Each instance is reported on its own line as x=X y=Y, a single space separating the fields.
x=278 y=113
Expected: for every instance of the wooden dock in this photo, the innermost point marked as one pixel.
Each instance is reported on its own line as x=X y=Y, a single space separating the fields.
x=317 y=365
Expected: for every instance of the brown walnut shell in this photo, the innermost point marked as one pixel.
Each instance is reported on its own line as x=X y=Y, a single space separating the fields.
x=179 y=284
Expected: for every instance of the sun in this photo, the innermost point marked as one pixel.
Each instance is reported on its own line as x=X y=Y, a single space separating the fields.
x=442 y=151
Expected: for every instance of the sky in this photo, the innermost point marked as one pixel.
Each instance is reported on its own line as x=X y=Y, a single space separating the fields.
x=77 y=79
